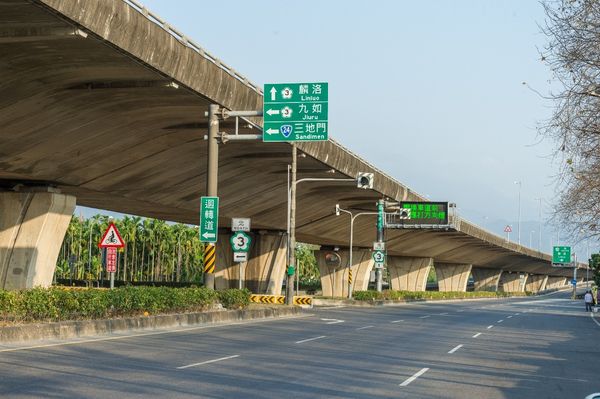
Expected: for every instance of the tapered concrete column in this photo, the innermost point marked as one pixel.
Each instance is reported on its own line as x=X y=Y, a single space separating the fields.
x=452 y=276
x=407 y=273
x=486 y=279
x=511 y=282
x=536 y=283
x=555 y=282
x=32 y=229
x=334 y=278
x=264 y=271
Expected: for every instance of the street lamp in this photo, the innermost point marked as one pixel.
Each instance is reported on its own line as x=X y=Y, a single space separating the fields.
x=353 y=217
x=540 y=226
x=519 y=221
x=530 y=238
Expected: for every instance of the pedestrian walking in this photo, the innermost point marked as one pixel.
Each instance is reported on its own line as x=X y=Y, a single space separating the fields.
x=589 y=301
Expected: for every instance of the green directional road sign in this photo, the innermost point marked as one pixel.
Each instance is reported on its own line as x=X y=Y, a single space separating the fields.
x=240 y=242
x=295 y=112
x=561 y=254
x=209 y=219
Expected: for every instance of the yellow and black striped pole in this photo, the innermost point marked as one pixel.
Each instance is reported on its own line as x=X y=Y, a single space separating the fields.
x=210 y=257
x=349 y=282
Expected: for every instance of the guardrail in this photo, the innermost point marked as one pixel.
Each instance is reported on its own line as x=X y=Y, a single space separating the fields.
x=156 y=19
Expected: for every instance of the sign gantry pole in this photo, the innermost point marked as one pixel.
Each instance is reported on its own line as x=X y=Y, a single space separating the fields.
x=289 y=287
x=211 y=191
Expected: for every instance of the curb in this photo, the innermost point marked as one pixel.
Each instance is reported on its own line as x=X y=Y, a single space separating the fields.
x=319 y=302
x=80 y=328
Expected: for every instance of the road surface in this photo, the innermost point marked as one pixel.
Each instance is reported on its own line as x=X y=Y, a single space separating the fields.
x=545 y=347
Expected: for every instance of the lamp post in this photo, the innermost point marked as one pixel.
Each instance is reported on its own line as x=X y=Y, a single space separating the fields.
x=291 y=211
x=518 y=182
x=540 y=224
x=353 y=217
x=530 y=238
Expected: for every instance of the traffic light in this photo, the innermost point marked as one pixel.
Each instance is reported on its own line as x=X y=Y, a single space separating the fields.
x=364 y=180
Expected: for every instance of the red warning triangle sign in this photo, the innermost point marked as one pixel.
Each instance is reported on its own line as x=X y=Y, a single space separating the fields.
x=508 y=229
x=111 y=238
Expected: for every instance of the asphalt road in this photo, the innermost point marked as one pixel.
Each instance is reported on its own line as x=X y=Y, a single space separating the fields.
x=546 y=347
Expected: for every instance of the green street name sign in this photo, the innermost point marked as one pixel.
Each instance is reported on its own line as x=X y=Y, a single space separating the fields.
x=209 y=219
x=561 y=254
x=295 y=112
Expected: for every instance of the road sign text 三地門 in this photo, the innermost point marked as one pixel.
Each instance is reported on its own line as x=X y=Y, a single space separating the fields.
x=295 y=112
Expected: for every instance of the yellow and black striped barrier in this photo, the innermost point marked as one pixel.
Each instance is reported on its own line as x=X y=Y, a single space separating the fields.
x=280 y=299
x=349 y=276
x=210 y=257
x=270 y=299
x=303 y=300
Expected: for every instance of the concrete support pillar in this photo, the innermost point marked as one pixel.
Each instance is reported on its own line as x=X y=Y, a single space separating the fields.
x=408 y=274
x=486 y=279
x=265 y=269
x=32 y=229
x=536 y=283
x=334 y=276
x=452 y=276
x=512 y=282
x=555 y=282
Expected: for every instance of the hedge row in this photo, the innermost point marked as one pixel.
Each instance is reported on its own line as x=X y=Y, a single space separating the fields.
x=416 y=295
x=55 y=304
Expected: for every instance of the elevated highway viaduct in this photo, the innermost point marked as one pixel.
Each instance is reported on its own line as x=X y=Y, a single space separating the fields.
x=102 y=104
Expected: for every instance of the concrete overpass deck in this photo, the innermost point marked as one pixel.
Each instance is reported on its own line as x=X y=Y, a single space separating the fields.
x=105 y=102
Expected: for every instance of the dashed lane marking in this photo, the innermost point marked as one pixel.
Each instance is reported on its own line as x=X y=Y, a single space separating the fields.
x=310 y=339
x=457 y=347
x=364 y=328
x=207 y=362
x=415 y=376
x=476 y=335
x=397 y=321
x=424 y=317
x=490 y=326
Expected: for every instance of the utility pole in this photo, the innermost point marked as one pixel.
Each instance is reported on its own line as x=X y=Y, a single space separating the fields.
x=289 y=286
x=210 y=250
x=379 y=271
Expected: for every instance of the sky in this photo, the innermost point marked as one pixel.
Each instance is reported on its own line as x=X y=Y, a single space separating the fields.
x=430 y=92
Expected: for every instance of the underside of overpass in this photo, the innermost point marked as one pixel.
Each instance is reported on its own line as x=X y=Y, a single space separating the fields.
x=104 y=105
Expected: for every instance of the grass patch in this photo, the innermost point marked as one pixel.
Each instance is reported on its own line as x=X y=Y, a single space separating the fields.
x=417 y=295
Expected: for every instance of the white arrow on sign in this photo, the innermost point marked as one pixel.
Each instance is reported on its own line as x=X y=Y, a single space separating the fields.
x=272 y=131
x=208 y=235
x=273 y=92
x=272 y=112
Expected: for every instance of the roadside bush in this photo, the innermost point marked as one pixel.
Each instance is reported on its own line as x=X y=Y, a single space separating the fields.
x=421 y=295
x=56 y=303
x=234 y=299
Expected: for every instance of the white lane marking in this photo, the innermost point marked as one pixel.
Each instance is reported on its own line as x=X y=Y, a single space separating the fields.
x=490 y=326
x=508 y=317
x=455 y=348
x=333 y=321
x=424 y=317
x=592 y=316
x=499 y=321
x=414 y=377
x=516 y=314
x=397 y=321
x=460 y=310
x=443 y=314
x=207 y=362
x=332 y=307
x=310 y=339
x=162 y=332
x=476 y=335
x=364 y=328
